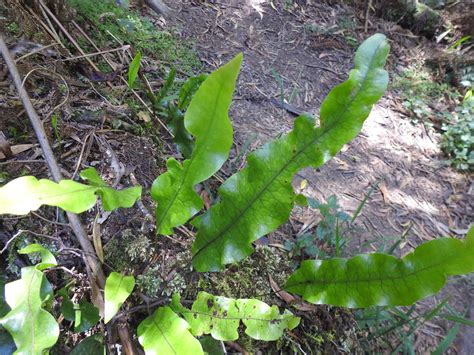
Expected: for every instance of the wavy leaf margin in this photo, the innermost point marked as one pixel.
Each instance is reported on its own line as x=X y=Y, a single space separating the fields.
x=259 y=198
x=207 y=120
x=382 y=279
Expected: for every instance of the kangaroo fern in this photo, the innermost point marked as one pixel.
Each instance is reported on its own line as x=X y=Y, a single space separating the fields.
x=117 y=289
x=258 y=199
x=27 y=193
x=207 y=120
x=382 y=279
x=165 y=333
x=221 y=317
x=33 y=329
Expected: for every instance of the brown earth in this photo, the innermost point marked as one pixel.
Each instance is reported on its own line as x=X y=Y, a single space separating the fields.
x=300 y=50
x=418 y=194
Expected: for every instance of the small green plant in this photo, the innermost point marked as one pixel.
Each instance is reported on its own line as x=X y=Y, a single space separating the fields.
x=329 y=231
x=253 y=202
x=419 y=92
x=393 y=328
x=458 y=137
x=129 y=27
x=172 y=105
x=133 y=69
x=54 y=124
x=13 y=28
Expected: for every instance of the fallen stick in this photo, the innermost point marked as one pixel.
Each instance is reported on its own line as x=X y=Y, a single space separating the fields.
x=159 y=7
x=92 y=262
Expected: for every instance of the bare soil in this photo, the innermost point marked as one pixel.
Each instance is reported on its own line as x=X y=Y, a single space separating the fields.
x=299 y=51
x=418 y=194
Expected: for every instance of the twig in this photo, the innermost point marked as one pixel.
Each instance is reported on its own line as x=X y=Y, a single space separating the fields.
x=123 y=48
x=81 y=31
x=74 y=220
x=79 y=160
x=62 y=103
x=124 y=334
x=159 y=7
x=322 y=68
x=21 y=231
x=22 y=161
x=158 y=302
x=53 y=34
x=49 y=221
x=17 y=234
x=367 y=13
x=67 y=34
x=236 y=346
x=37 y=50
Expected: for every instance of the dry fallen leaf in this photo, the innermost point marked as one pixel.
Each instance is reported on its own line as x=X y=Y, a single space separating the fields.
x=97 y=240
x=384 y=191
x=97 y=298
x=206 y=199
x=144 y=116
x=303 y=184
x=289 y=298
x=285 y=296
x=17 y=149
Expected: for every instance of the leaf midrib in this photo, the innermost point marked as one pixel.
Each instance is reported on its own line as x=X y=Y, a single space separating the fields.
x=164 y=336
x=323 y=131
x=370 y=280
x=191 y=160
x=30 y=310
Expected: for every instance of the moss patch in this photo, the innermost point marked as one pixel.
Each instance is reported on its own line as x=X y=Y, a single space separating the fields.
x=110 y=20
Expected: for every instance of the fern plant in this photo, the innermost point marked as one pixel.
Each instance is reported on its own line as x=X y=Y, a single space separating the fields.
x=252 y=203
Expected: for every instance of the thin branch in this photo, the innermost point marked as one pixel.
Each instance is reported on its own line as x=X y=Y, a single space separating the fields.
x=74 y=220
x=123 y=48
x=9 y=241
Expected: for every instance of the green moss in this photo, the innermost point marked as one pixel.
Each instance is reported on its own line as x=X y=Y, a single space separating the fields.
x=128 y=250
x=246 y=279
x=150 y=282
x=13 y=28
x=153 y=285
x=129 y=27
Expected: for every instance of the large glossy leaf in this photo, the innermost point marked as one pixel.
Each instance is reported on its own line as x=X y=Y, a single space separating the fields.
x=381 y=279
x=25 y=194
x=207 y=120
x=221 y=317
x=33 y=329
x=7 y=345
x=117 y=289
x=165 y=333
x=259 y=198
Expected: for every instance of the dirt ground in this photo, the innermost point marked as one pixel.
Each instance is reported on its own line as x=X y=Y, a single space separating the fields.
x=299 y=51
x=418 y=194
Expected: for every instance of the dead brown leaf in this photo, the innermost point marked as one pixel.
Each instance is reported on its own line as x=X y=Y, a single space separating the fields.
x=97 y=240
x=17 y=149
x=384 y=191
x=285 y=296
x=289 y=298
x=206 y=199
